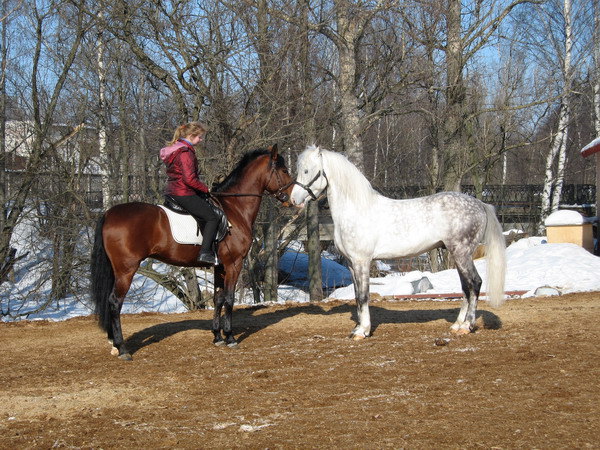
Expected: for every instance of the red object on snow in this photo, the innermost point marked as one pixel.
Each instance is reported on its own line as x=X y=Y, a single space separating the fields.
x=591 y=148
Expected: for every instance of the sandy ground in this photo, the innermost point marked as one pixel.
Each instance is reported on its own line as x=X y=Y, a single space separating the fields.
x=528 y=377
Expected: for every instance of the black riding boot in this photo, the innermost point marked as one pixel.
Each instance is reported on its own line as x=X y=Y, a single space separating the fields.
x=207 y=255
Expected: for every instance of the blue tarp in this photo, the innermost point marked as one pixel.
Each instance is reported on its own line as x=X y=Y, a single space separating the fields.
x=295 y=266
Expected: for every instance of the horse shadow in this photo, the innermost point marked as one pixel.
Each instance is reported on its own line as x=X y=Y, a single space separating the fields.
x=347 y=311
x=156 y=333
x=246 y=322
x=379 y=316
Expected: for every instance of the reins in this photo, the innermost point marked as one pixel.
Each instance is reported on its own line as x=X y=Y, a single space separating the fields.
x=275 y=194
x=236 y=194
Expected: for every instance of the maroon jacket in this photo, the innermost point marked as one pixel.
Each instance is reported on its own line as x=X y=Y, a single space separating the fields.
x=182 y=169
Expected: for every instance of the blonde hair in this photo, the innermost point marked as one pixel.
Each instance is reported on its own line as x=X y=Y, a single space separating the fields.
x=188 y=129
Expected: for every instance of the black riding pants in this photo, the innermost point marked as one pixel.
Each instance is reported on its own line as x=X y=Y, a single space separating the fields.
x=200 y=208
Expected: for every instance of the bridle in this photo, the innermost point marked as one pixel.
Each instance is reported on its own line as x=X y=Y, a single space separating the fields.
x=307 y=186
x=279 y=194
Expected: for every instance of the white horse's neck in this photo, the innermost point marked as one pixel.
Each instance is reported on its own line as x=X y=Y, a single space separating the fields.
x=348 y=187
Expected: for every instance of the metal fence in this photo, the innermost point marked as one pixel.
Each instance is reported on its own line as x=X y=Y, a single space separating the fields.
x=516 y=205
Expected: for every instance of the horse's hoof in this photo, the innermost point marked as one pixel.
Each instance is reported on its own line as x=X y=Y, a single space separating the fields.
x=233 y=344
x=357 y=337
x=114 y=351
x=126 y=357
x=220 y=343
x=461 y=331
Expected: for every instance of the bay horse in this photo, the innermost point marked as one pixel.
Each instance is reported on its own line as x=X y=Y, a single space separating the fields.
x=370 y=226
x=128 y=233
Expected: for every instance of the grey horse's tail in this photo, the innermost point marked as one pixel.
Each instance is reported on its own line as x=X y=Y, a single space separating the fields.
x=496 y=258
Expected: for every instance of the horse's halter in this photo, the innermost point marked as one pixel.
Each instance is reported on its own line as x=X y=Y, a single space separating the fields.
x=307 y=186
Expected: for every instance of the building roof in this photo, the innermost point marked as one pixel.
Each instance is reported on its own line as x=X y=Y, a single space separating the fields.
x=591 y=148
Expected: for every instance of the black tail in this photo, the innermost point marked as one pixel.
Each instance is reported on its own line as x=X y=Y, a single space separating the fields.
x=103 y=279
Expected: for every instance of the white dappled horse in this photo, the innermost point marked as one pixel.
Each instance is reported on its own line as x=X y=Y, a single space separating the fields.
x=370 y=226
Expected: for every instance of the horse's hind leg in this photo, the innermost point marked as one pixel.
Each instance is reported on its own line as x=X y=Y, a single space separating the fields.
x=115 y=334
x=471 y=285
x=360 y=276
x=122 y=283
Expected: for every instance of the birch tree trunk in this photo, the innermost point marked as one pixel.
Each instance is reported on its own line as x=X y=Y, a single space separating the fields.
x=562 y=151
x=596 y=98
x=560 y=165
x=126 y=154
x=596 y=82
x=104 y=158
x=551 y=171
x=556 y=159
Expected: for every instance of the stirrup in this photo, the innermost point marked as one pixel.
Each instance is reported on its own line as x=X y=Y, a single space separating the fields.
x=207 y=258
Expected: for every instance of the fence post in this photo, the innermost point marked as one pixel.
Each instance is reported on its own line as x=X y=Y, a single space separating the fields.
x=315 y=278
x=272 y=260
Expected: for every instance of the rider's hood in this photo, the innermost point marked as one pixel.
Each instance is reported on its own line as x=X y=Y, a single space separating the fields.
x=166 y=153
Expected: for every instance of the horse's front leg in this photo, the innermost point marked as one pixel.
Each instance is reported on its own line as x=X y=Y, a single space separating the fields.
x=227 y=318
x=219 y=300
x=360 y=276
x=226 y=279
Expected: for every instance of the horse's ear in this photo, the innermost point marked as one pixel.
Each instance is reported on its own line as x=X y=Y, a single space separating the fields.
x=274 y=152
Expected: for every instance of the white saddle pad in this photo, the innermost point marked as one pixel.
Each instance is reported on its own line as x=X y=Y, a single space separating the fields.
x=183 y=227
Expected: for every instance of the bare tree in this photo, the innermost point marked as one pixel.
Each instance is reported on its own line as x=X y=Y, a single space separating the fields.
x=596 y=91
x=104 y=157
x=344 y=24
x=556 y=157
x=44 y=99
x=459 y=33
x=8 y=255
x=596 y=68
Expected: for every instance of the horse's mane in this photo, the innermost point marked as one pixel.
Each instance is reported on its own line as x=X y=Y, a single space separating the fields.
x=237 y=172
x=347 y=178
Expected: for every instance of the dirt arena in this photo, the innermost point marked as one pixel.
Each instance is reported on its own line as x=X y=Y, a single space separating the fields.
x=529 y=377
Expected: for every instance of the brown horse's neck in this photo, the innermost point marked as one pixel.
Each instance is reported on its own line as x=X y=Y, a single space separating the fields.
x=243 y=200
x=245 y=207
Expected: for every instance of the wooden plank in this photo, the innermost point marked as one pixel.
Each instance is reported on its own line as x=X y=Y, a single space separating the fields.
x=451 y=295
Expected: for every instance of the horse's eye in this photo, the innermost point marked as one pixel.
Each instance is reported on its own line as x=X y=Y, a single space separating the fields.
x=305 y=170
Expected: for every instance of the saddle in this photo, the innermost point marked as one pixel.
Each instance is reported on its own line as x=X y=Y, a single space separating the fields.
x=223 y=227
